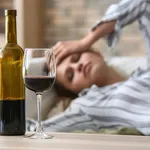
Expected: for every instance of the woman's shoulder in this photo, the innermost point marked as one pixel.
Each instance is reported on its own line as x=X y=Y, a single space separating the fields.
x=95 y=93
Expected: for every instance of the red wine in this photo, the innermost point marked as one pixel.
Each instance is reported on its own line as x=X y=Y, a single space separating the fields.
x=38 y=84
x=12 y=117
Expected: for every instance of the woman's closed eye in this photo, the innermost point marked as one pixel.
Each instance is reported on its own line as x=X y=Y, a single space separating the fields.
x=70 y=74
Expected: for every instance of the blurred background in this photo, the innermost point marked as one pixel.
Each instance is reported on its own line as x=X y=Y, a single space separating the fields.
x=41 y=23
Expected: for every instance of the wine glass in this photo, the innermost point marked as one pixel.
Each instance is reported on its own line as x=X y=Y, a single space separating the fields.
x=39 y=73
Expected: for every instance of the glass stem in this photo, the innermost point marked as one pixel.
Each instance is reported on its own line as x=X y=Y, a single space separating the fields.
x=39 y=127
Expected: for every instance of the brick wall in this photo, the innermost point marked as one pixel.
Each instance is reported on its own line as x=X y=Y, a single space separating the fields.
x=72 y=19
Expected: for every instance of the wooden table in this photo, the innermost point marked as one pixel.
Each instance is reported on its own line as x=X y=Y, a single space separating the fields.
x=77 y=141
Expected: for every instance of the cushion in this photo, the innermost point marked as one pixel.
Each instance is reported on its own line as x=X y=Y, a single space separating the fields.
x=126 y=65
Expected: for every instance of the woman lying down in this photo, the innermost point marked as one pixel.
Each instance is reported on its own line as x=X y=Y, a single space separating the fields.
x=105 y=98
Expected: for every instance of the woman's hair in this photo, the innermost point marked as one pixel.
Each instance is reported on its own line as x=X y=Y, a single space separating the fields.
x=63 y=92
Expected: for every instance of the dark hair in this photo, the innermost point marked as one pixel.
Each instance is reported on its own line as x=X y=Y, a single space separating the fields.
x=63 y=92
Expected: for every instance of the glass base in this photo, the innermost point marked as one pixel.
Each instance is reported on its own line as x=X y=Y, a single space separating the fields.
x=39 y=136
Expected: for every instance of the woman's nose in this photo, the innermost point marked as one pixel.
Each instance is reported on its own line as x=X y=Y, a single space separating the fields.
x=78 y=67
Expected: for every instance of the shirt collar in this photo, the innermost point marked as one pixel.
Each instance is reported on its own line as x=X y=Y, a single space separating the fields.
x=85 y=91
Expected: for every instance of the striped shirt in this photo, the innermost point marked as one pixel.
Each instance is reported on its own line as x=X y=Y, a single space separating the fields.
x=124 y=104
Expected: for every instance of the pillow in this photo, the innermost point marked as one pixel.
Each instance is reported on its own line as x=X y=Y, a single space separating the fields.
x=48 y=101
x=126 y=65
x=60 y=106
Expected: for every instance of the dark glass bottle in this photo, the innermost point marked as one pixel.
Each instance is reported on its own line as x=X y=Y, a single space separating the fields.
x=12 y=90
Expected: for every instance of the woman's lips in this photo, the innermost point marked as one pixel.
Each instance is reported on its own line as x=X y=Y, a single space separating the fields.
x=87 y=69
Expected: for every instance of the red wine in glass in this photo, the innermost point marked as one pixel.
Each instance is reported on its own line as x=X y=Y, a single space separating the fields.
x=39 y=73
x=38 y=83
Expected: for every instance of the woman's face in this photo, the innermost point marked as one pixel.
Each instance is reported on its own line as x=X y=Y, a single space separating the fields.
x=81 y=70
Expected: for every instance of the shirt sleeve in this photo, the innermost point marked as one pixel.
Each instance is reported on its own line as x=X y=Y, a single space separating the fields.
x=73 y=119
x=125 y=12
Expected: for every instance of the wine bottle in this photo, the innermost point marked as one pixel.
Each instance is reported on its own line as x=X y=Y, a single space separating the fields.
x=12 y=90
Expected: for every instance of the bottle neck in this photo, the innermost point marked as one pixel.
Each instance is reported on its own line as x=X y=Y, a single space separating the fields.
x=10 y=29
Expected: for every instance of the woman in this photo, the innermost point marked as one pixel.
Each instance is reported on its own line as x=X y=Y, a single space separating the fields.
x=103 y=103
x=108 y=100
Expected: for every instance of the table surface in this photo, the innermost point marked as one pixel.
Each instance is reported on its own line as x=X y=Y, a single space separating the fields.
x=77 y=141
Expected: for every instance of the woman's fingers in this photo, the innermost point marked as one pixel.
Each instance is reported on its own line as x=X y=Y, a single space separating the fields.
x=60 y=51
x=58 y=54
x=63 y=53
x=63 y=49
x=57 y=47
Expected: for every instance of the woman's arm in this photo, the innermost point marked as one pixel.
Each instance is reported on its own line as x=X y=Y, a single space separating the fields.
x=116 y=17
x=98 y=32
x=64 y=48
x=125 y=13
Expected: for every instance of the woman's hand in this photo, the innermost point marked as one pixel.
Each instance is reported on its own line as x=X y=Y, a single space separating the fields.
x=64 y=48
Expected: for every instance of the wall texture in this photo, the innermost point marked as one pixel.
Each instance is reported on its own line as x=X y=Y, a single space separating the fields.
x=72 y=19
